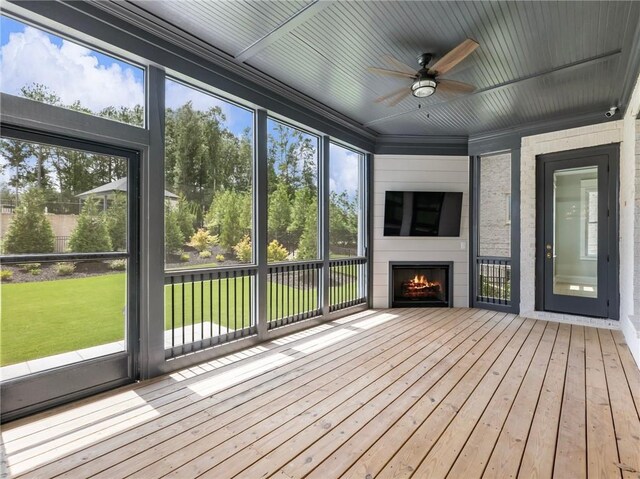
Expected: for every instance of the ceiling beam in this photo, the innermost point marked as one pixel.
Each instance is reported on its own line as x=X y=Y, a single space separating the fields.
x=283 y=29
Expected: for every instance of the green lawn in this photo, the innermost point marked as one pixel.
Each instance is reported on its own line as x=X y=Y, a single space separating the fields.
x=51 y=317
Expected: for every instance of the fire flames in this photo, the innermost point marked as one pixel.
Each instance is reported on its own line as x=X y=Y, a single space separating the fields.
x=421 y=282
x=420 y=287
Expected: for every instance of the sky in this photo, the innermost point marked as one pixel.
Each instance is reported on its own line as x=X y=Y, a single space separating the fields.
x=29 y=55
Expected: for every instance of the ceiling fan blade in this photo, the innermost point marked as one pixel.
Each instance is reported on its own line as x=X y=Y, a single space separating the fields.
x=455 y=56
x=391 y=73
x=399 y=97
x=452 y=86
x=392 y=94
x=398 y=64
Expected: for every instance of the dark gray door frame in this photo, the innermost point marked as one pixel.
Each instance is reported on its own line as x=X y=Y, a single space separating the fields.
x=474 y=234
x=35 y=392
x=607 y=157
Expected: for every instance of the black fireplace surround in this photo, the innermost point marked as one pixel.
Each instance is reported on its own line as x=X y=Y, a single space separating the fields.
x=421 y=284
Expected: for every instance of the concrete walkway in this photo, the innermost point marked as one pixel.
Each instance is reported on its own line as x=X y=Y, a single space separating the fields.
x=49 y=362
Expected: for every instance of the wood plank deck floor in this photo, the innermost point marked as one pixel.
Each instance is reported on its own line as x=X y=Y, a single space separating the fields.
x=461 y=393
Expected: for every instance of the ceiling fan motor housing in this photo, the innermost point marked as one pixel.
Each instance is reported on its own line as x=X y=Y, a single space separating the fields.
x=425 y=59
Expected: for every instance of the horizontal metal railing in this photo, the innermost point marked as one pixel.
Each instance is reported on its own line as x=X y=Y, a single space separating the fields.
x=61 y=257
x=207 y=307
x=493 y=283
x=347 y=282
x=293 y=292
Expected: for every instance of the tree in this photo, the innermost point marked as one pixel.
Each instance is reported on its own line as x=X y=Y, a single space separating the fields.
x=230 y=217
x=343 y=221
x=91 y=233
x=308 y=247
x=279 y=213
x=30 y=230
x=186 y=218
x=173 y=238
x=14 y=155
x=196 y=137
x=302 y=203
x=116 y=218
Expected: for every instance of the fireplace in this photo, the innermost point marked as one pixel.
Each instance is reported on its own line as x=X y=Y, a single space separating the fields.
x=424 y=284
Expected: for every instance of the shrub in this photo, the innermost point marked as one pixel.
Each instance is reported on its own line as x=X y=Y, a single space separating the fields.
x=30 y=230
x=202 y=240
x=91 y=233
x=116 y=219
x=184 y=257
x=65 y=269
x=173 y=238
x=35 y=271
x=276 y=252
x=219 y=258
x=6 y=275
x=205 y=254
x=243 y=250
x=118 y=265
x=28 y=267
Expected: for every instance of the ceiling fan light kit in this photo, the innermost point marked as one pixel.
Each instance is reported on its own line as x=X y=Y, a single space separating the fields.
x=423 y=87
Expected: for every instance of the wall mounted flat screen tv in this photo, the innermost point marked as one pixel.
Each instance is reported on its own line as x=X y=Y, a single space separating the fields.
x=422 y=213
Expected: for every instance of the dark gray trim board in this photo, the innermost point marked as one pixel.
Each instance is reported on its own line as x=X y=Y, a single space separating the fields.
x=368 y=251
x=474 y=234
x=35 y=115
x=474 y=176
x=515 y=231
x=152 y=231
x=511 y=139
x=84 y=17
x=31 y=394
x=421 y=145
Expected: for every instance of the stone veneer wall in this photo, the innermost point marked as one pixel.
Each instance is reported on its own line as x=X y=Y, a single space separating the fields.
x=575 y=138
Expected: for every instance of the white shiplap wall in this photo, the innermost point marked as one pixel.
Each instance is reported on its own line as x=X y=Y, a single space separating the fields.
x=419 y=173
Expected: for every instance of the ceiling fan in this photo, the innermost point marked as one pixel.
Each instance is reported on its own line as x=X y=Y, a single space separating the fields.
x=426 y=81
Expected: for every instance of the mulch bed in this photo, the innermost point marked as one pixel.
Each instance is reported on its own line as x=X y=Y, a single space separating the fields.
x=48 y=272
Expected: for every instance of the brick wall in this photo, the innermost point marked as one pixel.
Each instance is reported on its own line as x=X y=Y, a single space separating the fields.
x=495 y=188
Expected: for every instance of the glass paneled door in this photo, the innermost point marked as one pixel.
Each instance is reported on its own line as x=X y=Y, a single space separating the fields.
x=579 y=232
x=69 y=269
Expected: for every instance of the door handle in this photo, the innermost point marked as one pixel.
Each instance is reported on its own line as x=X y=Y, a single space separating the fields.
x=549 y=249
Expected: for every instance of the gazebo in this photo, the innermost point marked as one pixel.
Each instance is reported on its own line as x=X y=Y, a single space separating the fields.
x=109 y=190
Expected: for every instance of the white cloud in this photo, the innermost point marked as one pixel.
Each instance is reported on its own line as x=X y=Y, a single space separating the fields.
x=70 y=70
x=344 y=170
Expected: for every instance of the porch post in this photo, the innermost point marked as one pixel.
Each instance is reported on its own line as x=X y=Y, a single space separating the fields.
x=260 y=235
